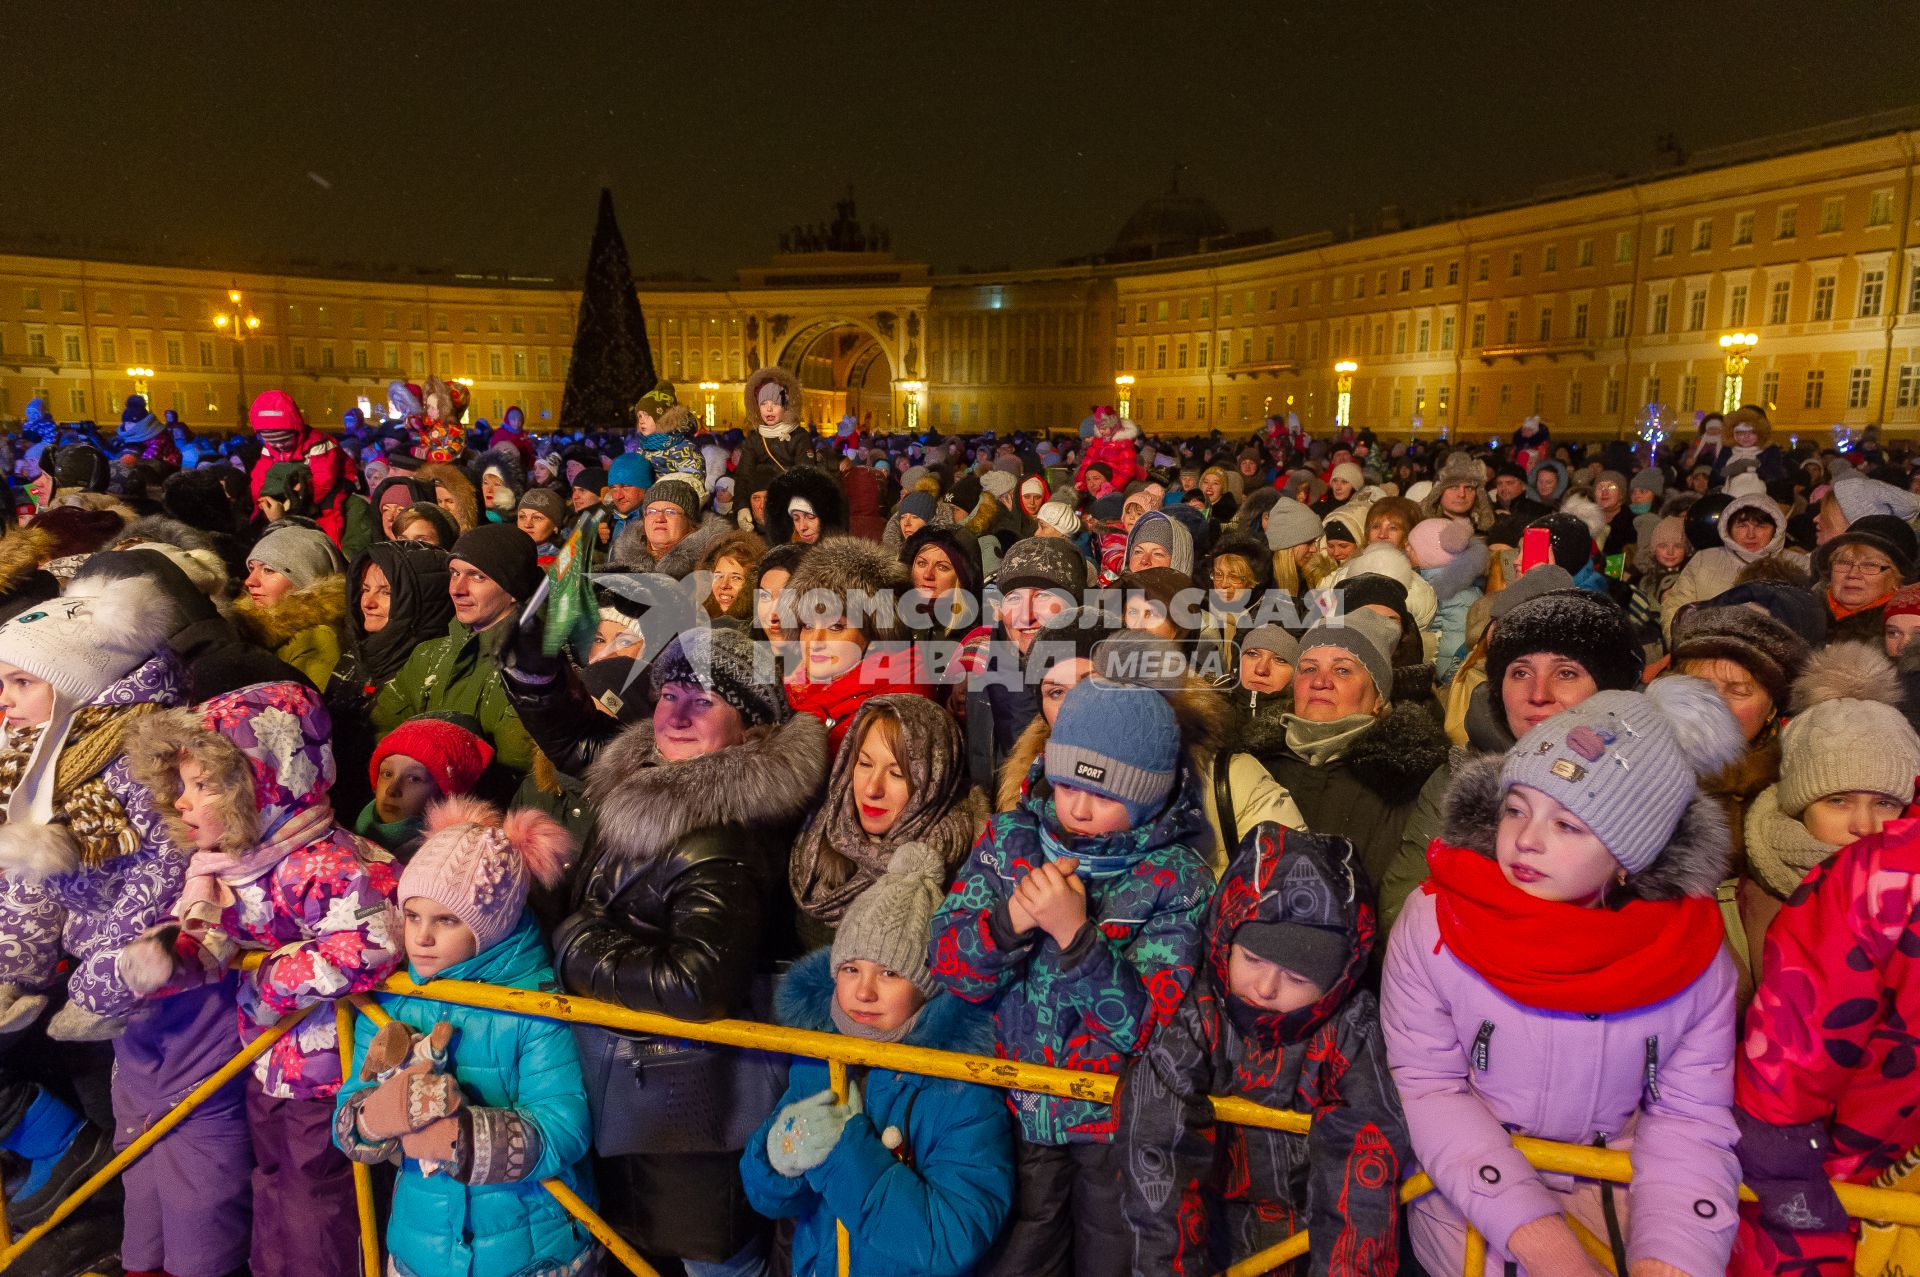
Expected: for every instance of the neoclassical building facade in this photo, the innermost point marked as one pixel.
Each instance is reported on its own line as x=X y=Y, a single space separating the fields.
x=1582 y=306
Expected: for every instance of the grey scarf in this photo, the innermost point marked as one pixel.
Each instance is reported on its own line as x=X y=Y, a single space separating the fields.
x=1780 y=851
x=1318 y=744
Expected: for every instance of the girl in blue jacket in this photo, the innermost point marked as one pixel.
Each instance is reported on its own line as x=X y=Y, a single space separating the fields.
x=919 y=1169
x=480 y=1111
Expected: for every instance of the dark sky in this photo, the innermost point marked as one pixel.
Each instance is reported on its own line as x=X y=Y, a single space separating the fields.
x=475 y=136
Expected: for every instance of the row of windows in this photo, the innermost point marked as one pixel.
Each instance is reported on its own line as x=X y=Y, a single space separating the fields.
x=69 y=302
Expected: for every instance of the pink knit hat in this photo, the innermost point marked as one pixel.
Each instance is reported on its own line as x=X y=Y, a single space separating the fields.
x=1435 y=543
x=477 y=864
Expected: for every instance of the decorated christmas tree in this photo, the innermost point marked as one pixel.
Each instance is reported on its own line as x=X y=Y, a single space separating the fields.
x=612 y=363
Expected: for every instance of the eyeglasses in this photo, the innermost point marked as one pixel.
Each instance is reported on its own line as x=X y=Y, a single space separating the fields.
x=661 y=511
x=1861 y=567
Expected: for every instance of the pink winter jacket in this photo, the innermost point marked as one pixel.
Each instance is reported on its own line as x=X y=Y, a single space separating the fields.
x=1472 y=1065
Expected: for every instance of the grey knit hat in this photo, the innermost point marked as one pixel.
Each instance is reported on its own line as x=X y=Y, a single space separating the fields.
x=888 y=923
x=1272 y=638
x=1627 y=763
x=998 y=482
x=1371 y=639
x=681 y=491
x=1847 y=732
x=720 y=659
x=1157 y=527
x=545 y=501
x=1289 y=524
x=302 y=555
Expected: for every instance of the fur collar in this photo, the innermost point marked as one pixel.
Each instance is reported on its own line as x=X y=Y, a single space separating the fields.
x=771 y=778
x=21 y=554
x=1694 y=863
x=630 y=551
x=804 y=997
x=1395 y=756
x=324 y=603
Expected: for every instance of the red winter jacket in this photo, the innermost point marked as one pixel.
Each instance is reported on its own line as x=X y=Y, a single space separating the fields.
x=333 y=475
x=1116 y=452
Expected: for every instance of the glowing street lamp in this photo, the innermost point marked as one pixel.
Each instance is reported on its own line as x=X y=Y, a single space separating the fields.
x=1342 y=411
x=237 y=322
x=140 y=376
x=1123 y=390
x=707 y=389
x=1739 y=349
x=911 y=389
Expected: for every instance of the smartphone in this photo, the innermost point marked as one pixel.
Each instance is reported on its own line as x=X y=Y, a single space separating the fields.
x=1536 y=547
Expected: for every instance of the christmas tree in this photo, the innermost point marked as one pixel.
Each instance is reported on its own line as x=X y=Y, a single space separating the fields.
x=612 y=364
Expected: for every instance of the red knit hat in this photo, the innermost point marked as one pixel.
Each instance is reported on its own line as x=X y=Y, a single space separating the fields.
x=1905 y=602
x=452 y=755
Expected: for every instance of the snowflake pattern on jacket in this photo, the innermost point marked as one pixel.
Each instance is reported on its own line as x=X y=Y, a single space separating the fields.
x=1090 y=1006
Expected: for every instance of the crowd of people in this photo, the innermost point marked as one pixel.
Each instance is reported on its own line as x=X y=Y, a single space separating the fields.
x=1445 y=794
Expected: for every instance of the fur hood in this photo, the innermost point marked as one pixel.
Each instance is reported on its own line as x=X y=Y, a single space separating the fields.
x=782 y=378
x=466 y=500
x=820 y=491
x=1206 y=724
x=320 y=605
x=853 y=569
x=804 y=999
x=645 y=807
x=1694 y=862
x=22 y=551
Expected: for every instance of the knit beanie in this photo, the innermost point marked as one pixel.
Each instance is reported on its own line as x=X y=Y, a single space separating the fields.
x=630 y=470
x=1627 y=763
x=591 y=479
x=919 y=504
x=1847 y=731
x=682 y=492
x=1272 y=638
x=1436 y=543
x=656 y=401
x=302 y=555
x=1577 y=624
x=477 y=863
x=771 y=391
x=1157 y=527
x=1049 y=563
x=1542 y=578
x=1289 y=524
x=505 y=554
x=547 y=502
x=999 y=483
x=1860 y=497
x=1905 y=602
x=1769 y=651
x=888 y=923
x=1117 y=741
x=452 y=755
x=1648 y=480
x=1059 y=516
x=1348 y=472
x=720 y=660
x=1109 y=508
x=1366 y=636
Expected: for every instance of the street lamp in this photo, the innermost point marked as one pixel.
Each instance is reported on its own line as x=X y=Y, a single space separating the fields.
x=1341 y=413
x=1739 y=349
x=912 y=391
x=140 y=376
x=237 y=323
x=707 y=389
x=1123 y=388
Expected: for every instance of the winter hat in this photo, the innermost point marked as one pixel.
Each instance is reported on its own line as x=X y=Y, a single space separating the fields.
x=1036 y=484
x=1367 y=636
x=1577 y=624
x=1627 y=763
x=1569 y=537
x=1118 y=741
x=1436 y=543
x=1882 y=532
x=1272 y=638
x=1301 y=929
x=275 y=417
x=1542 y=578
x=477 y=864
x=800 y=505
x=592 y=479
x=1157 y=527
x=1771 y=652
x=1289 y=524
x=1614 y=477
x=507 y=556
x=682 y=492
x=1905 y=602
x=889 y=922
x=1459 y=467
x=404 y=397
x=999 y=483
x=1743 y=483
x=772 y=391
x=547 y=502
x=1050 y=563
x=1348 y=472
x=302 y=555
x=1860 y=497
x=656 y=401
x=720 y=659
x=1109 y=508
x=1649 y=481
x=1671 y=530
x=630 y=470
x=918 y=504
x=1847 y=731
x=1059 y=516
x=452 y=755
x=1339 y=525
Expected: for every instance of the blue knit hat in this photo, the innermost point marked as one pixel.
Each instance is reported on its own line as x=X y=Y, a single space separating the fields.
x=630 y=469
x=1116 y=741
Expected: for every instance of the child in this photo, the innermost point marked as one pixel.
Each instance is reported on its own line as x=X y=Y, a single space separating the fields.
x=245 y=777
x=1563 y=976
x=1078 y=915
x=1276 y=1016
x=476 y=1143
x=919 y=1169
x=418 y=763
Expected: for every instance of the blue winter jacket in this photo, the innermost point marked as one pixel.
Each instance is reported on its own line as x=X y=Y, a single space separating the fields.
x=931 y=1208
x=440 y=1227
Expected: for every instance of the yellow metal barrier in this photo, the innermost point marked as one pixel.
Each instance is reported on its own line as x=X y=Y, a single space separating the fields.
x=362 y=1173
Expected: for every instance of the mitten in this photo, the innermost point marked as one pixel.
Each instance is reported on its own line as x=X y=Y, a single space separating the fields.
x=73 y=1023
x=147 y=965
x=805 y=1132
x=18 y=1010
x=408 y=1101
x=432 y=1146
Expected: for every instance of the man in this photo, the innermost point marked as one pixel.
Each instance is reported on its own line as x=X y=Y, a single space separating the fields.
x=493 y=572
x=628 y=480
x=1038 y=579
x=1459 y=492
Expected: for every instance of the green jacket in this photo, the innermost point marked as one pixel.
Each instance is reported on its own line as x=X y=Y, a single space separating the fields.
x=458 y=674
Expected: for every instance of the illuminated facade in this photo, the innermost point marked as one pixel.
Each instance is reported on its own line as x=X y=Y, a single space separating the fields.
x=1581 y=307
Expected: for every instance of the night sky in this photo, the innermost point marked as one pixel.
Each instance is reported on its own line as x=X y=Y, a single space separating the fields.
x=474 y=137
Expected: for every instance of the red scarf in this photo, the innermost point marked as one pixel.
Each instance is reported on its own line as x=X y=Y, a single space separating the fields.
x=878 y=673
x=1556 y=956
x=1841 y=611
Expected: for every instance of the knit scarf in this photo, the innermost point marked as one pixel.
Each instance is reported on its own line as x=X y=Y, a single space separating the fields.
x=1101 y=856
x=1555 y=956
x=1317 y=744
x=1780 y=851
x=779 y=432
x=212 y=875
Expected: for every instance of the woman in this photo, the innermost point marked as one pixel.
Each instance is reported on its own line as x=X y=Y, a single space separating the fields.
x=680 y=907
x=427 y=524
x=1392 y=519
x=396 y=600
x=1858 y=570
x=1750 y=528
x=1549 y=482
x=1221 y=504
x=454 y=493
x=1351 y=759
x=776 y=569
x=731 y=568
x=945 y=576
x=295 y=603
x=1240 y=573
x=1562 y=978
x=1293 y=533
x=902 y=778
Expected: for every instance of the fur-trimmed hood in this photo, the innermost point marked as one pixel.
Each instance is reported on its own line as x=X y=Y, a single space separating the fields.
x=630 y=548
x=786 y=381
x=1694 y=862
x=1206 y=725
x=804 y=1000
x=820 y=491
x=466 y=499
x=320 y=605
x=646 y=806
x=22 y=552
x=1762 y=504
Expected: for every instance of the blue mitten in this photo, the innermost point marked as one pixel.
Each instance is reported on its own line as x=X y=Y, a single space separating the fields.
x=805 y=1132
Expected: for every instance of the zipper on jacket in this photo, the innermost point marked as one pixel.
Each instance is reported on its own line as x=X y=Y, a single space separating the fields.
x=1481 y=1042
x=1653 y=1068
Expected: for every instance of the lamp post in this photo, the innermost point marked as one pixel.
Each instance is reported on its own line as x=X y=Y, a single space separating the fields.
x=1123 y=392
x=1342 y=413
x=140 y=376
x=707 y=389
x=911 y=389
x=237 y=322
x=1738 y=348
